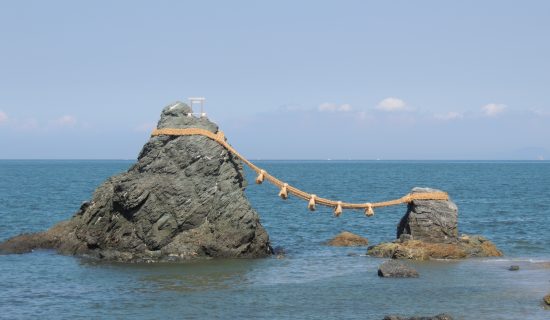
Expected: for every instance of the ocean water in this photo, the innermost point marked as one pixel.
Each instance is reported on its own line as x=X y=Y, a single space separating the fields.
x=508 y=202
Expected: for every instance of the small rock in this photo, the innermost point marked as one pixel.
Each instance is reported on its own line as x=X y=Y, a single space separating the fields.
x=429 y=230
x=279 y=252
x=396 y=269
x=348 y=239
x=353 y=254
x=546 y=299
x=477 y=246
x=442 y=316
x=513 y=268
x=430 y=220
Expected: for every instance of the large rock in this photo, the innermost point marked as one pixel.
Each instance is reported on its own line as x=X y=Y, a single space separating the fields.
x=429 y=220
x=184 y=198
x=348 y=239
x=429 y=230
x=396 y=269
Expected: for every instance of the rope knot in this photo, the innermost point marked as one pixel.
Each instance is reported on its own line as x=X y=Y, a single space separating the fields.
x=260 y=177
x=369 y=212
x=311 y=204
x=338 y=209
x=284 y=193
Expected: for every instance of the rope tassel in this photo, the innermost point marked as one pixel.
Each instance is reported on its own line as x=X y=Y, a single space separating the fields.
x=369 y=212
x=338 y=209
x=283 y=193
x=311 y=204
x=260 y=177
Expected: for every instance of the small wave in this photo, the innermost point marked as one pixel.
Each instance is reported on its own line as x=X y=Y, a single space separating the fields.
x=528 y=260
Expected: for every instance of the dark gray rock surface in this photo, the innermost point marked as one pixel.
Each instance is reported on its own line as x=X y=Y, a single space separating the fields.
x=429 y=230
x=183 y=199
x=429 y=220
x=396 y=269
x=442 y=316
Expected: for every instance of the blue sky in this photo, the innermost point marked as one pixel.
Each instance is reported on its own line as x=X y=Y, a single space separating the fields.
x=284 y=80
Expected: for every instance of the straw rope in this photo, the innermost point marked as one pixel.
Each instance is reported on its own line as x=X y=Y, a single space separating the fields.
x=287 y=189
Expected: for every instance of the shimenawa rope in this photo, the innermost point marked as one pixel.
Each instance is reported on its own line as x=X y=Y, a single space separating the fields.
x=287 y=189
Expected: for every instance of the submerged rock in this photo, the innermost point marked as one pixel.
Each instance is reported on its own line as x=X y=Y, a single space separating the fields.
x=429 y=230
x=396 y=269
x=348 y=239
x=478 y=246
x=514 y=268
x=183 y=199
x=442 y=316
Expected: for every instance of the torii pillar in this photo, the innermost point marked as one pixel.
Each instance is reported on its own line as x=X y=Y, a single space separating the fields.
x=197 y=100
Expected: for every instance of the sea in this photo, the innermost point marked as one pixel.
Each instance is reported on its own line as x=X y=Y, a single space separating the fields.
x=505 y=201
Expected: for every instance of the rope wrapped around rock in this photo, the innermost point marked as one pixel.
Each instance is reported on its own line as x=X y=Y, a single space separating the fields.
x=287 y=189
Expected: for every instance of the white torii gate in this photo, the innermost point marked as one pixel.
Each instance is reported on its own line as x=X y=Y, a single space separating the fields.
x=197 y=100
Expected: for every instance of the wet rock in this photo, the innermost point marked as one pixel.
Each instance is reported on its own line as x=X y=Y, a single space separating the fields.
x=546 y=300
x=183 y=199
x=476 y=246
x=348 y=239
x=396 y=269
x=279 y=252
x=442 y=316
x=429 y=220
x=429 y=230
x=513 y=268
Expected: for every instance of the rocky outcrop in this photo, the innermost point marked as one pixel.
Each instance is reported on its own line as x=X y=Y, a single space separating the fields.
x=348 y=239
x=183 y=199
x=429 y=220
x=429 y=230
x=442 y=316
x=396 y=269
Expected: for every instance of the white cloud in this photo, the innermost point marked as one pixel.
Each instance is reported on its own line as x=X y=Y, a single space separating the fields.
x=332 y=107
x=66 y=121
x=452 y=115
x=493 y=109
x=391 y=104
x=3 y=117
x=30 y=124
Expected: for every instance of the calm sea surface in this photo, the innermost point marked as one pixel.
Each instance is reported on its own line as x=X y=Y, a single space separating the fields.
x=508 y=202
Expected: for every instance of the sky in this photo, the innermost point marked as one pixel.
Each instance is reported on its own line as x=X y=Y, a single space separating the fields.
x=420 y=80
